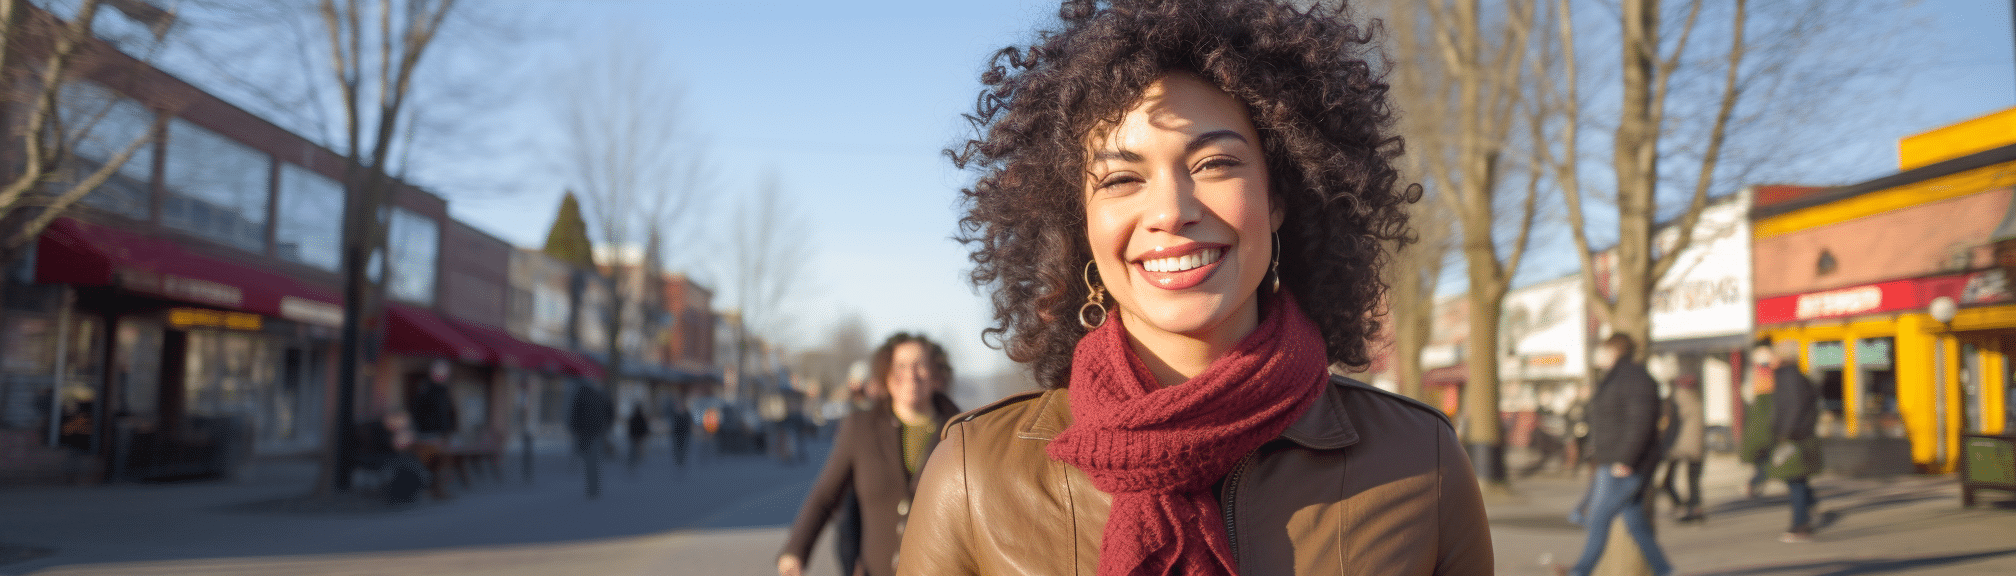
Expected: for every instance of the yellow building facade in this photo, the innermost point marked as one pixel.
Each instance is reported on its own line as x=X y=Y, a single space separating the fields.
x=1897 y=291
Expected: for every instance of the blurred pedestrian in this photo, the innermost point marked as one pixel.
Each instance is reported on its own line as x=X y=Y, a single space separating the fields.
x=386 y=446
x=1179 y=207
x=435 y=419
x=1624 y=446
x=1795 y=449
x=1687 y=437
x=1757 y=435
x=877 y=456
x=639 y=427
x=681 y=422
x=589 y=416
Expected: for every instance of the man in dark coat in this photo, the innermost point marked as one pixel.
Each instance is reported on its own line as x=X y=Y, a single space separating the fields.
x=589 y=416
x=1624 y=447
x=1796 y=451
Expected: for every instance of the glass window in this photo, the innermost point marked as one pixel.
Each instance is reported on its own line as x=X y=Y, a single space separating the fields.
x=310 y=230
x=414 y=243
x=1877 y=406
x=99 y=124
x=217 y=187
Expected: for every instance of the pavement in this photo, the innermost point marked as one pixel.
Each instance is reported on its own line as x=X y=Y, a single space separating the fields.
x=1897 y=525
x=728 y=515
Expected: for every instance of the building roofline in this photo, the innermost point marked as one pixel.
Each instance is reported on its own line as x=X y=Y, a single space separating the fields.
x=1977 y=160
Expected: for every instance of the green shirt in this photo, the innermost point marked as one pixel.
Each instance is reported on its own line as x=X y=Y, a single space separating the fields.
x=915 y=439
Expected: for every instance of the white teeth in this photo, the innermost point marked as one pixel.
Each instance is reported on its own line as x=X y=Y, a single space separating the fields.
x=1191 y=261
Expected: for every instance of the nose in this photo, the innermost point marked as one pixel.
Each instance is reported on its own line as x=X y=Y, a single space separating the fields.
x=1171 y=203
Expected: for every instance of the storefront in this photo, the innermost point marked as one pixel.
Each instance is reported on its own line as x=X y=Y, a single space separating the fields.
x=1896 y=292
x=168 y=362
x=1701 y=316
x=1544 y=351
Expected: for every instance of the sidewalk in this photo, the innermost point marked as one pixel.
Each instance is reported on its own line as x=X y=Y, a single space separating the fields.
x=1902 y=525
x=723 y=517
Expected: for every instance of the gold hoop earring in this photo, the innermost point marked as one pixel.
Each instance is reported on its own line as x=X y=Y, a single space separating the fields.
x=1274 y=267
x=1095 y=298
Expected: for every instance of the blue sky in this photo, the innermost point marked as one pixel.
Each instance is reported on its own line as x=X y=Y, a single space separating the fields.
x=850 y=104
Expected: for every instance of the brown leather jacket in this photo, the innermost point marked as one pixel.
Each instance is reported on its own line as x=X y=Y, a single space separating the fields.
x=1366 y=482
x=867 y=459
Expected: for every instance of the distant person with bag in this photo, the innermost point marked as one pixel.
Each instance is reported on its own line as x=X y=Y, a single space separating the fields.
x=1795 y=450
x=1757 y=436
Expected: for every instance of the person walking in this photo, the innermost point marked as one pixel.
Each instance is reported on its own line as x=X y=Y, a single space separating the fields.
x=1795 y=450
x=589 y=416
x=1624 y=448
x=877 y=456
x=639 y=428
x=435 y=420
x=1687 y=436
x=681 y=422
x=1757 y=435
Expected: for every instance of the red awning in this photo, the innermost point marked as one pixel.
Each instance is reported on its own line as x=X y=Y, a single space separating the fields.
x=578 y=364
x=508 y=350
x=418 y=332
x=505 y=349
x=72 y=251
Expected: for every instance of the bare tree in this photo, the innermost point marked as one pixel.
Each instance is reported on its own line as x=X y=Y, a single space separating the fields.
x=1696 y=78
x=39 y=56
x=626 y=147
x=374 y=52
x=1461 y=73
x=768 y=258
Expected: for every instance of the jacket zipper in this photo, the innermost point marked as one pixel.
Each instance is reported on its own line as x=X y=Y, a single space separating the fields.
x=1232 y=490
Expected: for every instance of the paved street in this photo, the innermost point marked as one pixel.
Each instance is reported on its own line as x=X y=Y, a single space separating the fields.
x=727 y=518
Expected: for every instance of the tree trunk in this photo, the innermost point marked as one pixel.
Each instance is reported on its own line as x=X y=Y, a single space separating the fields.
x=1482 y=435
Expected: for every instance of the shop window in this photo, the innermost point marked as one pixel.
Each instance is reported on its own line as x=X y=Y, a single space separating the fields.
x=230 y=384
x=217 y=188
x=310 y=228
x=1824 y=364
x=1877 y=402
x=414 y=243
x=27 y=360
x=98 y=124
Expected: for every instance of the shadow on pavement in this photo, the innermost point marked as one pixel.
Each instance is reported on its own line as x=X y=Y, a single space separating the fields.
x=1865 y=566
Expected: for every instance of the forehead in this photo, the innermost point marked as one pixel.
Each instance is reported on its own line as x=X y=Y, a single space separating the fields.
x=908 y=352
x=1177 y=104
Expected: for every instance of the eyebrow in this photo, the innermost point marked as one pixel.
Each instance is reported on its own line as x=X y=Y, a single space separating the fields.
x=1200 y=141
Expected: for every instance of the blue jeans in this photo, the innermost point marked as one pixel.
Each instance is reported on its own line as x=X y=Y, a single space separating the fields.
x=1609 y=497
x=1803 y=501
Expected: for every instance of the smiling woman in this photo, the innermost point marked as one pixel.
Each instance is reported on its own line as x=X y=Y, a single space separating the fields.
x=1207 y=187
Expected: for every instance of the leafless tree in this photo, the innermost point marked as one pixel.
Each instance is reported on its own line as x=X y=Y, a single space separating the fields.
x=1697 y=78
x=627 y=148
x=767 y=256
x=39 y=56
x=374 y=52
x=1460 y=71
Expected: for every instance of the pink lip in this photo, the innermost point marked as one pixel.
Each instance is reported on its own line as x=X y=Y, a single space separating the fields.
x=1186 y=279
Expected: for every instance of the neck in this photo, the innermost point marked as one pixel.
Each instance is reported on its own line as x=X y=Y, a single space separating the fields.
x=1175 y=358
x=915 y=413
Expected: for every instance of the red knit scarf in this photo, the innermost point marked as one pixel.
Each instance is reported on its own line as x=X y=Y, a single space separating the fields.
x=1159 y=451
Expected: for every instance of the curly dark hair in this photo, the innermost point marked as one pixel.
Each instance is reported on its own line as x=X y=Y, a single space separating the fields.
x=1307 y=79
x=884 y=355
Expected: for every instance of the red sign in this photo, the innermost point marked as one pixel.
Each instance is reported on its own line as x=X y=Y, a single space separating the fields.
x=1892 y=296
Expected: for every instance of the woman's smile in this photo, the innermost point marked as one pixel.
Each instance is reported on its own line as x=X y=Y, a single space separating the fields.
x=1182 y=267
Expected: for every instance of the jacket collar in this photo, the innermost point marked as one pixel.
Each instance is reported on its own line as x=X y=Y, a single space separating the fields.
x=1325 y=426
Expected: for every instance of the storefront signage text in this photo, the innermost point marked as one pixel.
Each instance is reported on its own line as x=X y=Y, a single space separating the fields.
x=207 y=318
